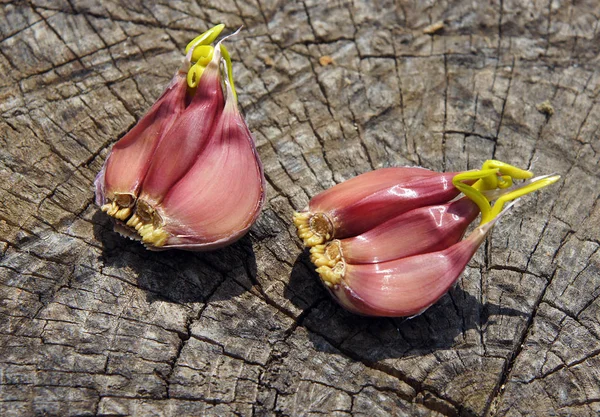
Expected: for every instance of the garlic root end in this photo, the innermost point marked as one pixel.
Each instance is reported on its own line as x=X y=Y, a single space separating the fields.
x=313 y=228
x=332 y=276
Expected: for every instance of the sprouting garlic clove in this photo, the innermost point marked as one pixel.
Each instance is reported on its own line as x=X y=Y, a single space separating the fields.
x=401 y=287
x=119 y=182
x=174 y=156
x=340 y=213
x=366 y=184
x=353 y=214
x=408 y=285
x=424 y=229
x=314 y=226
x=187 y=137
x=220 y=196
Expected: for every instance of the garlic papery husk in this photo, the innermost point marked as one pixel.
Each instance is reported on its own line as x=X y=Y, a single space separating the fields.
x=119 y=182
x=220 y=195
x=408 y=285
x=352 y=214
x=424 y=229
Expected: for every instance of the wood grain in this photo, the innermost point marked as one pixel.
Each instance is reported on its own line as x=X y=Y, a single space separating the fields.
x=93 y=324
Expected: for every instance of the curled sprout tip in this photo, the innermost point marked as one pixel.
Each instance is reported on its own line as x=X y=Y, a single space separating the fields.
x=507 y=169
x=505 y=179
x=200 y=52
x=473 y=192
x=487 y=177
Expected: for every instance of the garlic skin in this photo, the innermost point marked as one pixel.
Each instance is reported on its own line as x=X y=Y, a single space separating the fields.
x=192 y=177
x=424 y=229
x=346 y=214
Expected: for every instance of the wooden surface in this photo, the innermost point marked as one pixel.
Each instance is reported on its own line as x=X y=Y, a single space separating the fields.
x=93 y=324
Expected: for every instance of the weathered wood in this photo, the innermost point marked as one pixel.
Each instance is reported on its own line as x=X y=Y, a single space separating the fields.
x=93 y=324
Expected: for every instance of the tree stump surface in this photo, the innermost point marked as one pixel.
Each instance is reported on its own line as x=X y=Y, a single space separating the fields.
x=94 y=324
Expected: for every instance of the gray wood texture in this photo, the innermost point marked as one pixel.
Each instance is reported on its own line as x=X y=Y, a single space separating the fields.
x=93 y=324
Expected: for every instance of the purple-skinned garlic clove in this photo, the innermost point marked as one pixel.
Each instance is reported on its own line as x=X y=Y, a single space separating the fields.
x=401 y=287
x=366 y=184
x=346 y=214
x=118 y=184
x=184 y=141
x=424 y=229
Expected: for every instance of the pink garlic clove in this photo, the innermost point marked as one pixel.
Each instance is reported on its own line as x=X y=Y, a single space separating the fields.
x=119 y=182
x=424 y=229
x=187 y=137
x=401 y=287
x=351 y=215
x=364 y=185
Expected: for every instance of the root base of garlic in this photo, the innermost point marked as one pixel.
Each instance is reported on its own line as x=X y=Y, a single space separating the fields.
x=332 y=276
x=313 y=228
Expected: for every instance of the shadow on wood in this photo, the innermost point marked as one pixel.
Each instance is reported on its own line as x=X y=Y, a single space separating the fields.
x=174 y=275
x=440 y=327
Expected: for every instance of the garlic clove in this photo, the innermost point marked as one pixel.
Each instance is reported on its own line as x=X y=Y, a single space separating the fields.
x=340 y=213
x=424 y=229
x=401 y=287
x=313 y=224
x=365 y=184
x=119 y=182
x=221 y=194
x=352 y=215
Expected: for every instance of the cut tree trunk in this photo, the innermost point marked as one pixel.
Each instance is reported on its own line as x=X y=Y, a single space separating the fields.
x=94 y=324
